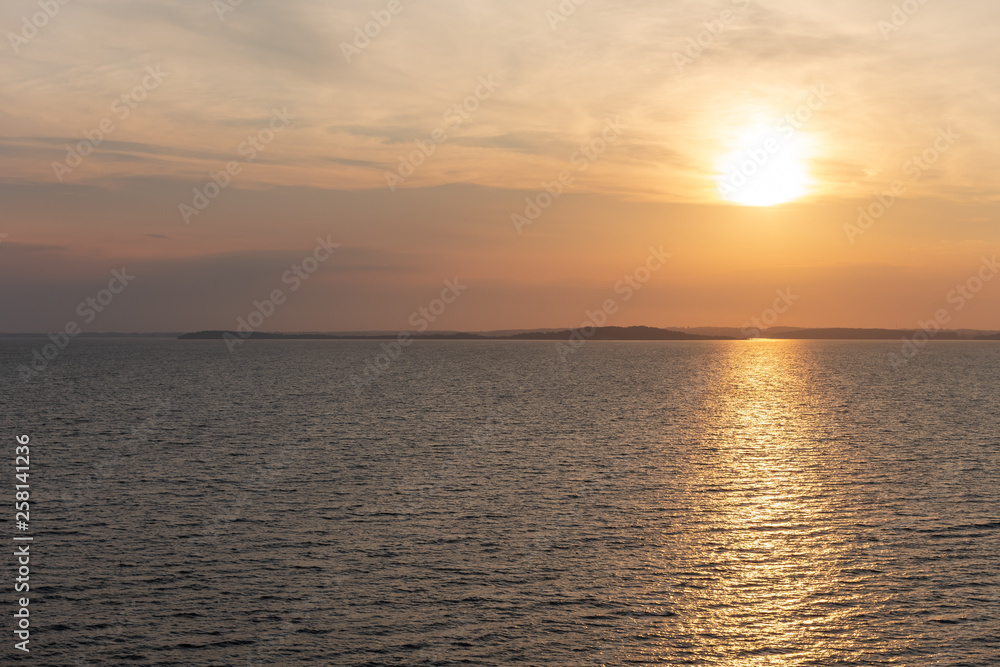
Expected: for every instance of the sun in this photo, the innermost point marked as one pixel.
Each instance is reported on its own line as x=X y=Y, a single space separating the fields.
x=768 y=167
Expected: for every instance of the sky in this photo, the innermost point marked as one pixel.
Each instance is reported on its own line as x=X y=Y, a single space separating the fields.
x=537 y=153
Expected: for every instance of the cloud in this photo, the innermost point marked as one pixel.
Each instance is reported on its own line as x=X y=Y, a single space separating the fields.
x=558 y=88
x=31 y=248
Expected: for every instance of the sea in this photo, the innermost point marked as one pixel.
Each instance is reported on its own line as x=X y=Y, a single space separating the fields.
x=293 y=502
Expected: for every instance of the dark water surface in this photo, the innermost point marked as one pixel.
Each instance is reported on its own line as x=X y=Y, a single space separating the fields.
x=484 y=503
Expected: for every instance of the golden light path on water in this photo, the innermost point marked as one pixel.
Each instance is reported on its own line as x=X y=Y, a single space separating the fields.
x=765 y=575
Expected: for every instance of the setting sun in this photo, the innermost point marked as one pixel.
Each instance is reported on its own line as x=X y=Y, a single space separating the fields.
x=768 y=167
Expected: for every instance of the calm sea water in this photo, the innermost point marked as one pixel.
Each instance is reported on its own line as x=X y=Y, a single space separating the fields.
x=484 y=503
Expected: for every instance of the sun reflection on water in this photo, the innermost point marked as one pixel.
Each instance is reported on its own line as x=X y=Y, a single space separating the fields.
x=765 y=569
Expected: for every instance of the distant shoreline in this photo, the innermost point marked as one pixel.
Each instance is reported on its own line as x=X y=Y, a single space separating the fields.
x=598 y=333
x=637 y=333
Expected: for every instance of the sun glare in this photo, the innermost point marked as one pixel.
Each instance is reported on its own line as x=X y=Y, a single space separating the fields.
x=767 y=168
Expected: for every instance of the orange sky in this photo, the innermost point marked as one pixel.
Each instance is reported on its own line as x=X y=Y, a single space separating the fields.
x=644 y=111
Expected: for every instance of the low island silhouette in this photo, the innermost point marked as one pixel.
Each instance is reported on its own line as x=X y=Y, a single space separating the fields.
x=633 y=333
